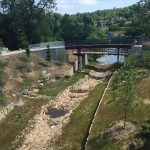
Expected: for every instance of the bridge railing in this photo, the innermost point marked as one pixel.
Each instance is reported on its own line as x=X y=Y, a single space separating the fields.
x=88 y=42
x=117 y=40
x=107 y=51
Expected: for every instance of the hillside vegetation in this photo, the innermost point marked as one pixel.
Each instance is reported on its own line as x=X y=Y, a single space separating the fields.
x=19 y=72
x=23 y=23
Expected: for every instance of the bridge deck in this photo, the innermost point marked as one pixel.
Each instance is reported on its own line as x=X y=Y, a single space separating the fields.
x=113 y=43
x=99 y=53
x=99 y=46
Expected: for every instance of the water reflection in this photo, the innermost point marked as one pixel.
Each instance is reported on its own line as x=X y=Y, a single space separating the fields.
x=110 y=59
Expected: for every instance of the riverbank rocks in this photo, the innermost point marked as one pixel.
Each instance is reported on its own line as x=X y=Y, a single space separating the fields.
x=13 y=95
x=25 y=92
x=53 y=81
x=35 y=90
x=45 y=75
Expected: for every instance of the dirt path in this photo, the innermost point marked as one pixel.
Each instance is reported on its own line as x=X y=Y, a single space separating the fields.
x=47 y=128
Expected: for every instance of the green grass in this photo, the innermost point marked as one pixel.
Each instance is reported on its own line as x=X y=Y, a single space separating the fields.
x=52 y=89
x=109 y=112
x=18 y=118
x=74 y=132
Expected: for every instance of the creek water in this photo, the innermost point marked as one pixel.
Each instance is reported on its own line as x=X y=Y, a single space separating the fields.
x=110 y=59
x=55 y=113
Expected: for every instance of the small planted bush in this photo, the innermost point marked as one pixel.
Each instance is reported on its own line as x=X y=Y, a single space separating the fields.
x=57 y=76
x=67 y=76
x=145 y=131
x=135 y=144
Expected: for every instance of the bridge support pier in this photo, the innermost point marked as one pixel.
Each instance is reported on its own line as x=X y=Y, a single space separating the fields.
x=84 y=59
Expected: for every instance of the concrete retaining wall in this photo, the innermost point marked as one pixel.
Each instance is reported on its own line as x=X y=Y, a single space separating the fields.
x=56 y=54
x=136 y=49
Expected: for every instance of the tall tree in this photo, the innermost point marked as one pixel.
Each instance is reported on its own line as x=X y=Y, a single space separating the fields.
x=124 y=91
x=23 y=18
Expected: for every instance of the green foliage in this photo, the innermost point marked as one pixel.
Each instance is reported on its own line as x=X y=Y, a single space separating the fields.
x=124 y=91
x=48 y=53
x=135 y=61
x=27 y=49
x=140 y=20
x=146 y=59
x=67 y=76
x=2 y=81
x=1 y=45
x=135 y=144
x=34 y=22
x=57 y=76
x=145 y=129
x=25 y=19
x=113 y=27
x=97 y=34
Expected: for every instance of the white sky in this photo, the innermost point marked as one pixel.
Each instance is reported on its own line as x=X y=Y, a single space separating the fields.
x=80 y=6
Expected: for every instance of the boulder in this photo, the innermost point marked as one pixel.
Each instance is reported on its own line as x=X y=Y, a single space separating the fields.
x=34 y=86
x=44 y=72
x=53 y=81
x=40 y=81
x=41 y=84
x=25 y=92
x=14 y=95
x=35 y=90
x=46 y=76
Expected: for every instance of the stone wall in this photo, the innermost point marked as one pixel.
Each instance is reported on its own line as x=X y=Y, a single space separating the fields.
x=6 y=110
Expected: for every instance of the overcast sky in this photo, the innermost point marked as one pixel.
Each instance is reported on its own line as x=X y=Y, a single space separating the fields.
x=75 y=6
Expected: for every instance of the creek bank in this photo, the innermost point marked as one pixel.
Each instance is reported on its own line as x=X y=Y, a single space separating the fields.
x=47 y=128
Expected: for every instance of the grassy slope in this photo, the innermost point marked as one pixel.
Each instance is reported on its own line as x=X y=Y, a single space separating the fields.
x=18 y=119
x=109 y=113
x=75 y=131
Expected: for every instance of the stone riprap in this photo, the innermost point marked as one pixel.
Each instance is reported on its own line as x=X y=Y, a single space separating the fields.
x=6 y=110
x=46 y=129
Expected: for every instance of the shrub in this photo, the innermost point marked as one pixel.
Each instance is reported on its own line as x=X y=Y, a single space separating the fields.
x=145 y=129
x=135 y=144
x=67 y=76
x=57 y=76
x=48 y=53
x=2 y=101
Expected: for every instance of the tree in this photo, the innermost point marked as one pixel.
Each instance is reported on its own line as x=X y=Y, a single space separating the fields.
x=1 y=45
x=124 y=92
x=146 y=59
x=98 y=34
x=72 y=29
x=140 y=21
x=48 y=53
x=25 y=17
